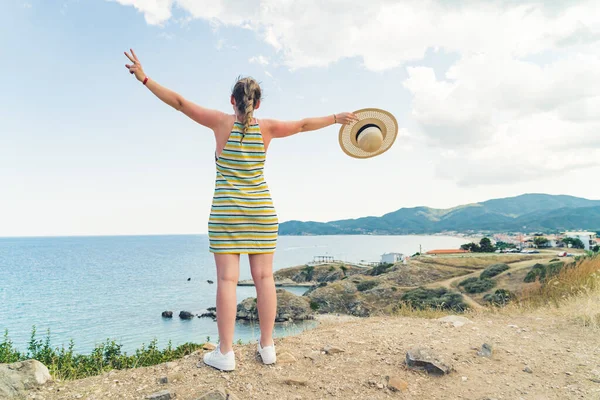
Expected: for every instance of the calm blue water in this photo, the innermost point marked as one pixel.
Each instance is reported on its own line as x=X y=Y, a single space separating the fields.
x=93 y=288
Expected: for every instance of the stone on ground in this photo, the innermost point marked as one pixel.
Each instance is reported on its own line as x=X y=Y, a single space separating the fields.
x=162 y=395
x=20 y=376
x=397 y=384
x=426 y=360
x=332 y=349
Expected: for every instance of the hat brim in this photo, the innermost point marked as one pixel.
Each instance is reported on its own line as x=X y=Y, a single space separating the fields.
x=384 y=120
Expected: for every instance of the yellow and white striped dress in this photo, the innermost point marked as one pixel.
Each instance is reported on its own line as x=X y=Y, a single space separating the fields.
x=242 y=218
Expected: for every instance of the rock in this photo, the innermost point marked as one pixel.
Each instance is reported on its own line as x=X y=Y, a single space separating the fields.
x=209 y=346
x=294 y=381
x=209 y=281
x=285 y=358
x=455 y=320
x=528 y=370
x=332 y=349
x=397 y=384
x=219 y=394
x=208 y=314
x=289 y=307
x=167 y=314
x=163 y=380
x=185 y=315
x=163 y=395
x=20 y=376
x=464 y=379
x=424 y=359
x=339 y=297
x=486 y=350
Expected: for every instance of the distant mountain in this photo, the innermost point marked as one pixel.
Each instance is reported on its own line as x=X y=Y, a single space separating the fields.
x=530 y=212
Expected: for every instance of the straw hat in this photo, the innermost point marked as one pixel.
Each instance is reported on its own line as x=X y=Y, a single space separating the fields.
x=372 y=135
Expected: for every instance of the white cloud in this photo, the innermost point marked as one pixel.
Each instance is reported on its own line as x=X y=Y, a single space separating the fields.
x=260 y=59
x=521 y=100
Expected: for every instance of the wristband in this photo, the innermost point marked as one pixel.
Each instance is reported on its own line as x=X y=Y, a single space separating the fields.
x=145 y=80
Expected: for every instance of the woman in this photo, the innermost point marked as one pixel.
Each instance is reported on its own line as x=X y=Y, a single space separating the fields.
x=242 y=219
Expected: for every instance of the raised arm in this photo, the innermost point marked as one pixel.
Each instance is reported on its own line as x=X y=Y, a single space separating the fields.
x=279 y=129
x=204 y=116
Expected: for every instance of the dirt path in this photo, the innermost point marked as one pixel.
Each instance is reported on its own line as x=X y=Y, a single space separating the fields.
x=450 y=283
x=564 y=360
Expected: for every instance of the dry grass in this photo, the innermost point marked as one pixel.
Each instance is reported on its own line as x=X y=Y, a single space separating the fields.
x=478 y=260
x=574 y=293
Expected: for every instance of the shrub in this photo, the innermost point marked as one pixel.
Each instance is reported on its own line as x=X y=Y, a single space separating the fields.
x=500 y=298
x=344 y=269
x=380 y=269
x=331 y=269
x=366 y=285
x=468 y=281
x=554 y=259
x=479 y=286
x=394 y=289
x=537 y=271
x=314 y=305
x=440 y=298
x=493 y=270
x=64 y=364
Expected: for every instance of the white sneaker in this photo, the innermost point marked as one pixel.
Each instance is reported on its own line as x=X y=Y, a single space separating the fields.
x=218 y=360
x=267 y=354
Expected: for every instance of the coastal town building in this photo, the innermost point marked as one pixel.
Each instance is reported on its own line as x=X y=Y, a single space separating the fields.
x=392 y=258
x=588 y=238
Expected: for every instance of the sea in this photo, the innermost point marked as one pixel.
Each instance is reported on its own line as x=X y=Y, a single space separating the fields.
x=93 y=288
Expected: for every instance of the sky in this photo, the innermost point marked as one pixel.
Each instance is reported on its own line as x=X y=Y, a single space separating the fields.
x=493 y=99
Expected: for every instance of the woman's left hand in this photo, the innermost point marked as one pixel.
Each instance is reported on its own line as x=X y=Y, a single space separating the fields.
x=136 y=67
x=345 y=118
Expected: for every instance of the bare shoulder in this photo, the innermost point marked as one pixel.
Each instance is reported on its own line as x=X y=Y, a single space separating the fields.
x=223 y=129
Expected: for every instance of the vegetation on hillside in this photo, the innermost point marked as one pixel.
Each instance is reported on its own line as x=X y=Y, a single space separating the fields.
x=63 y=363
x=439 y=298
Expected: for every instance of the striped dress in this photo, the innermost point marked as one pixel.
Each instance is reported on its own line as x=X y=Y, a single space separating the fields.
x=242 y=218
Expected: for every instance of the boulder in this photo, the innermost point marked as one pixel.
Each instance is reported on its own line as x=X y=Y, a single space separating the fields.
x=218 y=394
x=162 y=395
x=20 y=376
x=424 y=359
x=167 y=314
x=186 y=315
x=289 y=307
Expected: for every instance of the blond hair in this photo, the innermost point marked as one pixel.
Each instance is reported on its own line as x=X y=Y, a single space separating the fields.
x=246 y=93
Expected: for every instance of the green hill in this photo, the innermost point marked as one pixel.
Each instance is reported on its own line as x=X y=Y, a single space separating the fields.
x=540 y=212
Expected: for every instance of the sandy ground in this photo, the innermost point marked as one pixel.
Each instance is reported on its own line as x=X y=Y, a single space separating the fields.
x=563 y=357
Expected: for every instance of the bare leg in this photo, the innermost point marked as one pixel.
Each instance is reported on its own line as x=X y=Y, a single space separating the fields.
x=228 y=273
x=261 y=266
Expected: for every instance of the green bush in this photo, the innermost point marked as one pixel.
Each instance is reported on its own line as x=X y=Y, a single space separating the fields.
x=537 y=271
x=314 y=305
x=493 y=270
x=479 y=286
x=468 y=280
x=331 y=269
x=554 y=259
x=344 y=269
x=64 y=364
x=500 y=298
x=554 y=268
x=440 y=298
x=366 y=285
x=394 y=289
x=380 y=269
